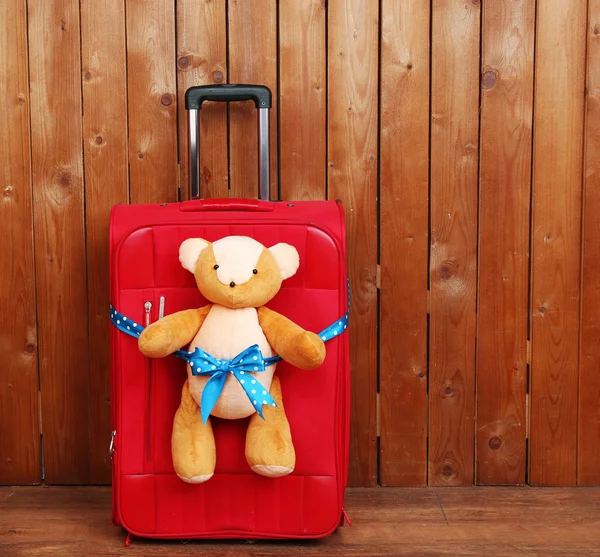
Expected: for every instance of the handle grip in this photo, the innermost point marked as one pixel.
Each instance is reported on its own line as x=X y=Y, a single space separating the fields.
x=247 y=205
x=195 y=96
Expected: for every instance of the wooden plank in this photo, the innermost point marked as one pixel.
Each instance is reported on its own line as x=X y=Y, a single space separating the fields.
x=457 y=522
x=152 y=100
x=202 y=60
x=252 y=59
x=19 y=440
x=453 y=269
x=404 y=241
x=302 y=98
x=56 y=140
x=588 y=472
x=106 y=183
x=505 y=188
x=352 y=177
x=556 y=242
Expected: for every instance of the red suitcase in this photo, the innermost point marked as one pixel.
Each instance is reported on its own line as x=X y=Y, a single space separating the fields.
x=149 y=499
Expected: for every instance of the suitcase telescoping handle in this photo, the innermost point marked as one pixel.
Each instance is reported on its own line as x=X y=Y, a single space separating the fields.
x=261 y=95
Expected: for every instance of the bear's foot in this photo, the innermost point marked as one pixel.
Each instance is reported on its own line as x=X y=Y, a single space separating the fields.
x=195 y=479
x=192 y=442
x=269 y=448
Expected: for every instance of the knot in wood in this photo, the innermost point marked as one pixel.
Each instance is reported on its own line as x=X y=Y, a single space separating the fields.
x=489 y=79
x=64 y=178
x=447 y=270
x=447 y=472
x=495 y=443
x=447 y=391
x=206 y=174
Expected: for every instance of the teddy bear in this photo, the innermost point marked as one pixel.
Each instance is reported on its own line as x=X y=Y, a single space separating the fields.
x=238 y=276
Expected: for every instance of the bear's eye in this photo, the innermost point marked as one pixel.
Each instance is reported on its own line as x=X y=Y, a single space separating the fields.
x=215 y=267
x=254 y=271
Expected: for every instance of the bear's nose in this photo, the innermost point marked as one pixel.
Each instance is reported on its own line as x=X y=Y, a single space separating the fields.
x=232 y=284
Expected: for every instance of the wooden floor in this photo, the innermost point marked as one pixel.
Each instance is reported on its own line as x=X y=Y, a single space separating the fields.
x=63 y=521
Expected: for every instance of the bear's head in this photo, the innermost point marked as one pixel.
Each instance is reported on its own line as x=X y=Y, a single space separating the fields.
x=237 y=271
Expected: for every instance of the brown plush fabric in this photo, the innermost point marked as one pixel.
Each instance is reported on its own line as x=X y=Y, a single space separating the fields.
x=260 y=289
x=171 y=332
x=192 y=442
x=300 y=348
x=269 y=447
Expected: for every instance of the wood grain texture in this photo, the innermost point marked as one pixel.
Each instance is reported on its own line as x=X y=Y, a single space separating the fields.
x=106 y=183
x=20 y=436
x=453 y=269
x=588 y=471
x=55 y=80
x=152 y=100
x=352 y=178
x=252 y=59
x=202 y=60
x=303 y=99
x=404 y=177
x=496 y=522
x=505 y=188
x=557 y=185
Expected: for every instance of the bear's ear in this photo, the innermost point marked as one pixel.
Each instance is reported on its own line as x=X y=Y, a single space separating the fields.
x=189 y=252
x=287 y=258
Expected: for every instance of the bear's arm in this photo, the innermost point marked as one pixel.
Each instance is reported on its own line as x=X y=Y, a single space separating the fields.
x=172 y=332
x=300 y=348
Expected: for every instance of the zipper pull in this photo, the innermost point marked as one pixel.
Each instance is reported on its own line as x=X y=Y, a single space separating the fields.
x=147 y=309
x=111 y=447
x=161 y=307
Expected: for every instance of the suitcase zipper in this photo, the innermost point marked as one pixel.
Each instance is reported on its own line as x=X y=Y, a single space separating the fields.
x=111 y=447
x=147 y=310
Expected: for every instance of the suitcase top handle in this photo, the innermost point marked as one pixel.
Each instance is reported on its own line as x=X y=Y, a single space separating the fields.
x=195 y=96
x=261 y=95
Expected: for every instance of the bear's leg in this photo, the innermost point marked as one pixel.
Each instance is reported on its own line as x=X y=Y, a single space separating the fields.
x=269 y=447
x=192 y=442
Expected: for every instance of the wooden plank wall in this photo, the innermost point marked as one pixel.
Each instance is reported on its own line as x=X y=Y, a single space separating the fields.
x=589 y=418
x=504 y=203
x=59 y=235
x=453 y=239
x=463 y=138
x=556 y=242
x=19 y=442
x=404 y=237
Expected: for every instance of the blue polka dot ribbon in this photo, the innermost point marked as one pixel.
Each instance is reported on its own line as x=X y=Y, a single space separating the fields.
x=250 y=360
x=124 y=324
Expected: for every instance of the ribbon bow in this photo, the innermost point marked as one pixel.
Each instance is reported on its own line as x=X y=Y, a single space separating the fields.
x=249 y=361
